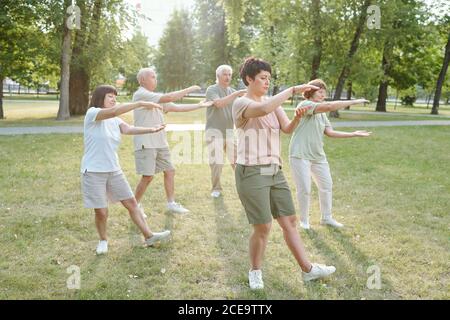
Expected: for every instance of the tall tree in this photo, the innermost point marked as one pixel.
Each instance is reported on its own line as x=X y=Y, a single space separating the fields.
x=137 y=54
x=402 y=22
x=211 y=39
x=316 y=20
x=350 y=55
x=66 y=54
x=22 y=43
x=80 y=75
x=174 y=60
x=441 y=78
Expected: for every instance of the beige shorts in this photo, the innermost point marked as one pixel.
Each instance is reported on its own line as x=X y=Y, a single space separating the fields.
x=152 y=161
x=98 y=187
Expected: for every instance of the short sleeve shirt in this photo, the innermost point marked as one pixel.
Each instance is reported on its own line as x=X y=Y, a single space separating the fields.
x=101 y=141
x=219 y=118
x=307 y=139
x=148 y=118
x=258 y=139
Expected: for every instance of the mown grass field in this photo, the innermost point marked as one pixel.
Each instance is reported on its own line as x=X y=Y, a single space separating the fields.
x=392 y=191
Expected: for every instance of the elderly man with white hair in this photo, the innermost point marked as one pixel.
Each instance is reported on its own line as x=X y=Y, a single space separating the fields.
x=152 y=154
x=219 y=125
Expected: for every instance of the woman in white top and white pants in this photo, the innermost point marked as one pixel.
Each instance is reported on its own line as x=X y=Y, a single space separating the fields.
x=101 y=175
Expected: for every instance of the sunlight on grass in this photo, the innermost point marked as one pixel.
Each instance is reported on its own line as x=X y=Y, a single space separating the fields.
x=390 y=191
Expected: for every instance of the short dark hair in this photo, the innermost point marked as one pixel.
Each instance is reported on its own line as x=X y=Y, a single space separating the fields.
x=252 y=66
x=98 y=96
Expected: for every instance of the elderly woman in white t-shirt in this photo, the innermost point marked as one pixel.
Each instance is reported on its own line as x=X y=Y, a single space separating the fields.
x=101 y=175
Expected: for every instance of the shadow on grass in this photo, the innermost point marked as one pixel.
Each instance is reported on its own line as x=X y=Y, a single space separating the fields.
x=351 y=277
x=233 y=250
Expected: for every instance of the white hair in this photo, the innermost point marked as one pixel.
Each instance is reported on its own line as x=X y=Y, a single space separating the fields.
x=143 y=73
x=220 y=69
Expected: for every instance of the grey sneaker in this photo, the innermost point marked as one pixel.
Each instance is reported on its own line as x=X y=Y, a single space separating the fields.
x=215 y=194
x=102 y=247
x=331 y=222
x=255 y=280
x=318 y=271
x=176 y=208
x=304 y=225
x=157 y=236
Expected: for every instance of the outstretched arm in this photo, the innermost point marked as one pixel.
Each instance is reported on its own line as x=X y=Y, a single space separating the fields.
x=115 y=111
x=336 y=105
x=223 y=102
x=125 y=128
x=177 y=95
x=288 y=126
x=187 y=107
x=340 y=134
x=259 y=109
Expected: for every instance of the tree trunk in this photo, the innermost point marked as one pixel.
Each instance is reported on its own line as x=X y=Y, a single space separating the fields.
x=316 y=27
x=396 y=99
x=384 y=83
x=78 y=91
x=441 y=78
x=349 y=92
x=63 y=111
x=382 y=96
x=2 y=116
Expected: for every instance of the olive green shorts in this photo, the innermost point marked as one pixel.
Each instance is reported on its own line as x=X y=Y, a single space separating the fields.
x=264 y=192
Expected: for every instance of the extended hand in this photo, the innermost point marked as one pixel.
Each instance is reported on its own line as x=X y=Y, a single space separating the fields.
x=194 y=88
x=362 y=133
x=205 y=104
x=304 y=87
x=151 y=105
x=362 y=101
x=240 y=93
x=300 y=112
x=157 y=129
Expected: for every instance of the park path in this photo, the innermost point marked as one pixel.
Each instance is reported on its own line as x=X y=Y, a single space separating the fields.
x=201 y=127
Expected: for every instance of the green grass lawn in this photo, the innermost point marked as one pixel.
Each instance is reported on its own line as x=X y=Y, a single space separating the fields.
x=43 y=113
x=390 y=190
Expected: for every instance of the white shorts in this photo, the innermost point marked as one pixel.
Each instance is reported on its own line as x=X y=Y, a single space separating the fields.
x=98 y=187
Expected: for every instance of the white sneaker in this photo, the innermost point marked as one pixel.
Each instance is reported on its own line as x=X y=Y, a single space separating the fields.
x=102 y=247
x=304 y=225
x=255 y=279
x=331 y=222
x=318 y=271
x=157 y=236
x=142 y=211
x=176 y=207
x=215 y=194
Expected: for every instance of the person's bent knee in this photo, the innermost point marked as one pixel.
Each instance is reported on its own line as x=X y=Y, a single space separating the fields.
x=131 y=204
x=147 y=179
x=101 y=213
x=262 y=229
x=290 y=222
x=169 y=172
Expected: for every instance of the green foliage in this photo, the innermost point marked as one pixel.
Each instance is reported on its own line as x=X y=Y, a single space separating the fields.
x=136 y=54
x=25 y=42
x=174 y=60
